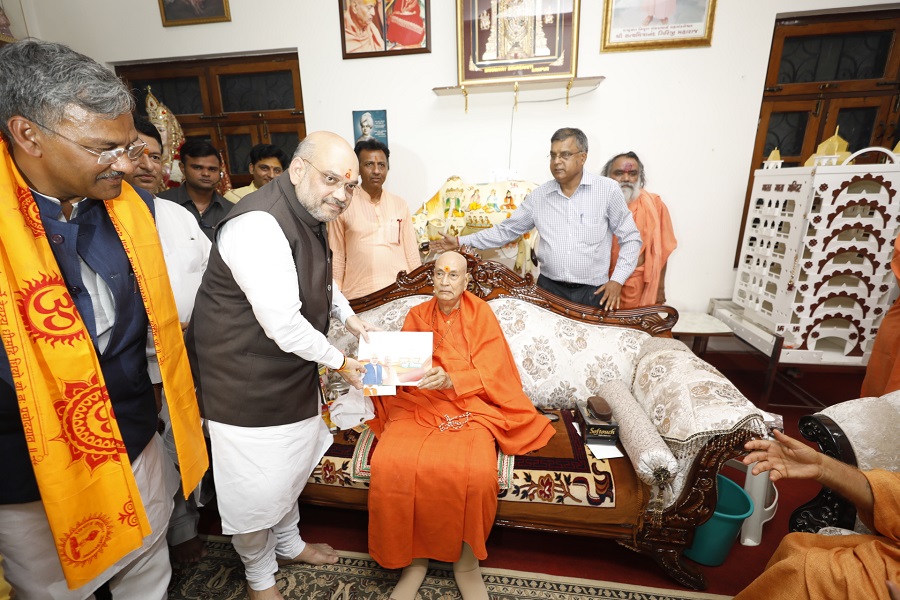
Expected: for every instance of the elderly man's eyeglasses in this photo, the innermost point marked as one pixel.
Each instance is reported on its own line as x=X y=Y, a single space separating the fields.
x=104 y=157
x=563 y=155
x=334 y=182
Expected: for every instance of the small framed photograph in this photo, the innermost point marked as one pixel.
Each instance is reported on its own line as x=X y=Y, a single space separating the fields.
x=649 y=24
x=370 y=124
x=193 y=12
x=501 y=42
x=384 y=27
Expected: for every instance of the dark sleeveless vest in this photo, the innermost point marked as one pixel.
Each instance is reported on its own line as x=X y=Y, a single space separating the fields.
x=243 y=377
x=123 y=363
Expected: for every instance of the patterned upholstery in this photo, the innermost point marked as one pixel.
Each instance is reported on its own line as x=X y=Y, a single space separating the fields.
x=561 y=359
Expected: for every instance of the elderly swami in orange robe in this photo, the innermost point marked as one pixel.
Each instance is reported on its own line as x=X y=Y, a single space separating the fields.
x=883 y=371
x=809 y=566
x=434 y=487
x=646 y=285
x=360 y=32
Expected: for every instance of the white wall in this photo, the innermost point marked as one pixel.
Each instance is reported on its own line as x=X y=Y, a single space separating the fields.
x=691 y=114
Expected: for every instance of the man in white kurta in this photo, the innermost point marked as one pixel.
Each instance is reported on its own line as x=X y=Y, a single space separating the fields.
x=257 y=357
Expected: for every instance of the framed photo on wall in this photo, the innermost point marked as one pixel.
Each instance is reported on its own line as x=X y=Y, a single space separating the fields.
x=193 y=12
x=384 y=27
x=370 y=125
x=650 y=24
x=516 y=40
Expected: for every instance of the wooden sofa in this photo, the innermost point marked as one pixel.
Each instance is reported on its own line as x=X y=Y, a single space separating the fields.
x=562 y=488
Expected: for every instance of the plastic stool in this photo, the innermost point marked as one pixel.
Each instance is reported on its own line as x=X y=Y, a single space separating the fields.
x=761 y=490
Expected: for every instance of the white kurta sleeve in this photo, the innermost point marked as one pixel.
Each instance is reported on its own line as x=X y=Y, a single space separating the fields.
x=256 y=250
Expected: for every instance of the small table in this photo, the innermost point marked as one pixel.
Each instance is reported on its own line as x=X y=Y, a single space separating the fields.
x=700 y=327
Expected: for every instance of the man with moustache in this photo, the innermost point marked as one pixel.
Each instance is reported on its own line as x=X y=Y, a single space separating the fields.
x=87 y=489
x=577 y=215
x=373 y=239
x=647 y=284
x=186 y=251
x=202 y=173
x=266 y=163
x=256 y=340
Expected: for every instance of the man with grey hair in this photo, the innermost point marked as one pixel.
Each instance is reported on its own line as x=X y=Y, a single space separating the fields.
x=646 y=285
x=87 y=488
x=576 y=216
x=270 y=279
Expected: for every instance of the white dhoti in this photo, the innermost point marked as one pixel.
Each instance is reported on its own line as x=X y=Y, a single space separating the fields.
x=259 y=474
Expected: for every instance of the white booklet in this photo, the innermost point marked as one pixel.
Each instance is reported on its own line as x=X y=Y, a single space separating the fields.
x=394 y=358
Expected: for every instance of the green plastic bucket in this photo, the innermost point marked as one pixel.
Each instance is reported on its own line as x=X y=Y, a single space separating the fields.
x=713 y=539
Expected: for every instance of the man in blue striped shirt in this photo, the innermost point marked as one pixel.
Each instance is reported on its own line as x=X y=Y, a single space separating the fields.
x=576 y=216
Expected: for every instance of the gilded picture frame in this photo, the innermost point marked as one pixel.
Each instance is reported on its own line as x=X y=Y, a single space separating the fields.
x=371 y=28
x=652 y=24
x=193 y=12
x=502 y=41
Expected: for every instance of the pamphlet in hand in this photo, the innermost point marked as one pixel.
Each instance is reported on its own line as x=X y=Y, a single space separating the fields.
x=394 y=358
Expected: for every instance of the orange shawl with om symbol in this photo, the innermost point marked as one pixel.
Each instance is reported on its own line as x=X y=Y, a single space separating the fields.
x=87 y=487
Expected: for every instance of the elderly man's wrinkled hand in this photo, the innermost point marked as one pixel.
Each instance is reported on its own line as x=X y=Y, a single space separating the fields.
x=435 y=379
x=611 y=294
x=353 y=372
x=358 y=327
x=447 y=242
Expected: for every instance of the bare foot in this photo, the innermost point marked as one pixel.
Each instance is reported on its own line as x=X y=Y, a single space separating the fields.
x=647 y=20
x=271 y=593
x=189 y=552
x=313 y=554
x=664 y=20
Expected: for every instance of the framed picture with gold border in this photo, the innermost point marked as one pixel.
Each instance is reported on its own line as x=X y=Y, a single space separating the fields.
x=193 y=12
x=516 y=40
x=651 y=24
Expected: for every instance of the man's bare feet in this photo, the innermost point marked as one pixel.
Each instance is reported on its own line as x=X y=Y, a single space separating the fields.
x=664 y=20
x=271 y=593
x=189 y=552
x=647 y=20
x=313 y=554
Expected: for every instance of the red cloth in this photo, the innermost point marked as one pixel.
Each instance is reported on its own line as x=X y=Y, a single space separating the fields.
x=883 y=370
x=658 y=236
x=432 y=490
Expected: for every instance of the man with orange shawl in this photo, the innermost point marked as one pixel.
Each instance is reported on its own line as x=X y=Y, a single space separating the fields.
x=87 y=488
x=360 y=32
x=434 y=486
x=812 y=566
x=883 y=370
x=646 y=285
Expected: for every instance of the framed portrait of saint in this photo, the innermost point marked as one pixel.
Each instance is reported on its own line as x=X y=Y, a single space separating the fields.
x=516 y=40
x=650 y=24
x=193 y=12
x=384 y=27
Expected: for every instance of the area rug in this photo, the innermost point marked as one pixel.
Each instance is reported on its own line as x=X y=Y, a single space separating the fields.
x=220 y=576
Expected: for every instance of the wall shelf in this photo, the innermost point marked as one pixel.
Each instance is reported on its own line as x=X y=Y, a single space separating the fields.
x=528 y=84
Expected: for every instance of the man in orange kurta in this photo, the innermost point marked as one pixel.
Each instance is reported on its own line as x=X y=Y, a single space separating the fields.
x=646 y=285
x=812 y=566
x=360 y=32
x=883 y=371
x=433 y=492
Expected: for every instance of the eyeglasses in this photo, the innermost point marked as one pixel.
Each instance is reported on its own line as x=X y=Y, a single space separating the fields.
x=563 y=155
x=104 y=157
x=333 y=181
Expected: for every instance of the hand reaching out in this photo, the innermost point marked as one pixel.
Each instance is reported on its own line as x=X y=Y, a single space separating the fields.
x=445 y=243
x=358 y=327
x=784 y=458
x=353 y=372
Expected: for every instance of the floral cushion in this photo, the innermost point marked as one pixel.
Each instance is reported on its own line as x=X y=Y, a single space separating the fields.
x=689 y=402
x=561 y=360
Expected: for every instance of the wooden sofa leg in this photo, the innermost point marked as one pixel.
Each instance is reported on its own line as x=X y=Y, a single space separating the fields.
x=671 y=561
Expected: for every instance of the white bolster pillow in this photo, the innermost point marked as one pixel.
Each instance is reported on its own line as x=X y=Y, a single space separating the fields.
x=651 y=457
